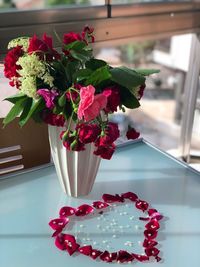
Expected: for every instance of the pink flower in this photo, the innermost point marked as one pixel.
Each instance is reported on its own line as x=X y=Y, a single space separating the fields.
x=113 y=97
x=90 y=105
x=49 y=97
x=141 y=205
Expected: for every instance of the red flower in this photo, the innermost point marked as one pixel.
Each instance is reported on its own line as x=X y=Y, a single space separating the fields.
x=73 y=143
x=132 y=134
x=124 y=256
x=88 y=133
x=87 y=35
x=10 y=67
x=43 y=47
x=105 y=152
x=113 y=98
x=111 y=133
x=71 y=37
x=99 y=205
x=141 y=205
x=54 y=119
x=112 y=198
x=66 y=211
x=130 y=195
x=84 y=210
x=108 y=257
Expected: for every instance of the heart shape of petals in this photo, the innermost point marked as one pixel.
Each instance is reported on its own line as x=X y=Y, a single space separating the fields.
x=69 y=243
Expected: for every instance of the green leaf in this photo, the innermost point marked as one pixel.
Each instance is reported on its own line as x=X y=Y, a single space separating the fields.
x=126 y=77
x=62 y=100
x=82 y=75
x=76 y=45
x=82 y=56
x=36 y=107
x=99 y=76
x=147 y=72
x=27 y=107
x=13 y=99
x=128 y=99
x=94 y=64
x=15 y=110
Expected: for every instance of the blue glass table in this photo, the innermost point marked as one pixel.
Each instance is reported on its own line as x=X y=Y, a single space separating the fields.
x=29 y=200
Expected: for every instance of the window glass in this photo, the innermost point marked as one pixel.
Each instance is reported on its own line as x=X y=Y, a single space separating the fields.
x=117 y=2
x=39 y=4
x=159 y=117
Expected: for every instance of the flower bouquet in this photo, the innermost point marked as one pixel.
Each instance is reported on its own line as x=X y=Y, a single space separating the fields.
x=71 y=89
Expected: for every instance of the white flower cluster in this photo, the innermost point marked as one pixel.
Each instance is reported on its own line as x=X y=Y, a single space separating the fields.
x=33 y=68
x=23 y=41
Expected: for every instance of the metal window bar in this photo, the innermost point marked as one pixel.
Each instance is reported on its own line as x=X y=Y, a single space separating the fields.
x=9 y=159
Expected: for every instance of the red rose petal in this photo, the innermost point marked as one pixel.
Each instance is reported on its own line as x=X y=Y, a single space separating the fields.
x=141 y=258
x=70 y=243
x=59 y=223
x=112 y=198
x=108 y=257
x=155 y=214
x=99 y=205
x=86 y=250
x=148 y=243
x=84 y=210
x=124 y=256
x=141 y=205
x=153 y=225
x=95 y=253
x=57 y=232
x=66 y=211
x=150 y=234
x=152 y=251
x=130 y=195
x=60 y=242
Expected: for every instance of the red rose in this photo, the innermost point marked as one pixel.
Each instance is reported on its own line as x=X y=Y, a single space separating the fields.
x=88 y=133
x=71 y=37
x=105 y=152
x=132 y=134
x=54 y=119
x=45 y=46
x=72 y=143
x=113 y=98
x=10 y=67
x=111 y=133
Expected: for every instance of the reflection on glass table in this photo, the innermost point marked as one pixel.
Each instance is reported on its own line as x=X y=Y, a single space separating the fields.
x=30 y=199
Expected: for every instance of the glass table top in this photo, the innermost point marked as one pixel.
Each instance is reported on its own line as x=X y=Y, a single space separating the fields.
x=29 y=200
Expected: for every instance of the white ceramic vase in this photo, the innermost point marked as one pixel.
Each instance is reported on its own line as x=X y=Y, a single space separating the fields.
x=76 y=171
